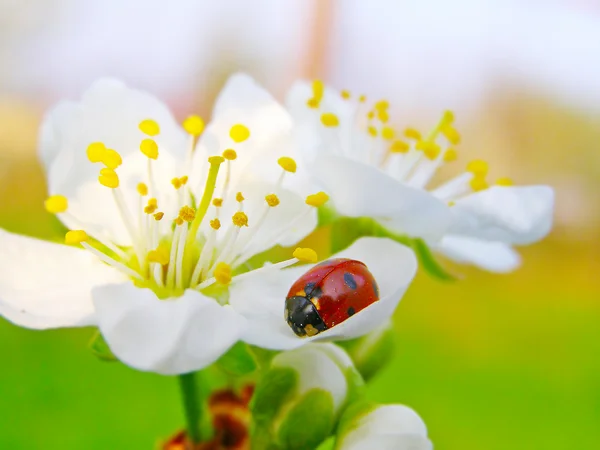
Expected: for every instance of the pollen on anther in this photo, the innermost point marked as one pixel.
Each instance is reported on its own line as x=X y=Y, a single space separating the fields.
x=187 y=213
x=216 y=159
x=430 y=149
x=371 y=115
x=56 y=204
x=383 y=116
x=149 y=147
x=451 y=134
x=176 y=183
x=288 y=164
x=194 y=125
x=95 y=152
x=149 y=127
x=345 y=94
x=230 y=154
x=505 y=181
x=239 y=133
x=399 y=146
x=272 y=200
x=75 y=237
x=372 y=131
x=240 y=219
x=330 y=120
x=412 y=133
x=183 y=180
x=318 y=89
x=223 y=273
x=159 y=215
x=111 y=158
x=317 y=200
x=215 y=224
x=178 y=221
x=478 y=183
x=160 y=255
x=305 y=255
x=362 y=98
x=108 y=178
x=142 y=189
x=478 y=167
x=217 y=202
x=151 y=207
x=239 y=197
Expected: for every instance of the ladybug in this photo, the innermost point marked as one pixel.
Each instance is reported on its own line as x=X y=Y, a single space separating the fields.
x=328 y=294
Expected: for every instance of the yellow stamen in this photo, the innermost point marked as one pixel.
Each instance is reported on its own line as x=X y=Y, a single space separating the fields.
x=194 y=125
x=187 y=213
x=412 y=133
x=239 y=197
x=478 y=167
x=372 y=131
x=230 y=154
x=305 y=255
x=383 y=116
x=240 y=219
x=505 y=181
x=149 y=147
x=215 y=224
x=317 y=200
x=450 y=155
x=111 y=159
x=362 y=98
x=430 y=149
x=142 y=189
x=151 y=207
x=56 y=204
x=451 y=134
x=176 y=183
x=399 y=146
x=178 y=221
x=388 y=133
x=95 y=152
x=223 y=273
x=451 y=203
x=159 y=215
x=318 y=89
x=272 y=200
x=160 y=255
x=330 y=120
x=183 y=180
x=382 y=105
x=345 y=94
x=288 y=164
x=239 y=133
x=447 y=119
x=109 y=178
x=149 y=127
x=75 y=237
x=218 y=202
x=478 y=183
x=312 y=103
x=371 y=115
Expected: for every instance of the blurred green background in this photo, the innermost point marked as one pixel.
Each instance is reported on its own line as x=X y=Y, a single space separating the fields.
x=490 y=362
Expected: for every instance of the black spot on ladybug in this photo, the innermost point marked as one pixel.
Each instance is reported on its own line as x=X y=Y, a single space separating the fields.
x=350 y=311
x=349 y=280
x=312 y=290
x=376 y=289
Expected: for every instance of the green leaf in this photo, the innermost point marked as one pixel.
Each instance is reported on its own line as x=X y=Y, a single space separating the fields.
x=100 y=348
x=309 y=422
x=428 y=261
x=238 y=361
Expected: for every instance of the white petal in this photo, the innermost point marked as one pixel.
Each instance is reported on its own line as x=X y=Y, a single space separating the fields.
x=493 y=256
x=260 y=296
x=388 y=427
x=514 y=215
x=359 y=190
x=170 y=336
x=109 y=112
x=48 y=285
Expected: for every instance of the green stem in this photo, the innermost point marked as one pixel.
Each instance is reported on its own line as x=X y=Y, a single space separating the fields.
x=191 y=405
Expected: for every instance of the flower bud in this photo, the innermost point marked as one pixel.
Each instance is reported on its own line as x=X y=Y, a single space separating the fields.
x=385 y=427
x=297 y=403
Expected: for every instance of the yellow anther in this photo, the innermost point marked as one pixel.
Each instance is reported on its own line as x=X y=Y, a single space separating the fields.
x=239 y=197
x=56 y=204
x=239 y=133
x=478 y=167
x=178 y=221
x=383 y=116
x=447 y=119
x=450 y=155
x=430 y=149
x=149 y=127
x=223 y=273
x=230 y=154
x=505 y=181
x=451 y=134
x=183 y=180
x=345 y=94
x=362 y=98
x=451 y=203
x=112 y=159
x=313 y=103
x=215 y=224
x=388 y=133
x=305 y=255
x=142 y=189
x=151 y=207
x=371 y=115
x=272 y=200
x=75 y=237
x=160 y=255
x=109 y=178
x=176 y=183
x=240 y=219
x=330 y=120
x=412 y=133
x=215 y=159
x=187 y=213
x=218 y=202
x=194 y=125
x=288 y=164
x=399 y=146
x=149 y=147
x=372 y=131
x=478 y=183
x=95 y=152
x=318 y=199
x=382 y=105
x=318 y=89
x=159 y=215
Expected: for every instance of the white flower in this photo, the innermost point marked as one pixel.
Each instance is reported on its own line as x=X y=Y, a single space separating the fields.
x=393 y=266
x=370 y=169
x=387 y=427
x=164 y=228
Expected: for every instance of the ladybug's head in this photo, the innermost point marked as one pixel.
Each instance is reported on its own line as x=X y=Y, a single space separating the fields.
x=302 y=316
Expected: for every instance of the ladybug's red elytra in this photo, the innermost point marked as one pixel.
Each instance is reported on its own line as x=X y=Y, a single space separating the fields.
x=328 y=294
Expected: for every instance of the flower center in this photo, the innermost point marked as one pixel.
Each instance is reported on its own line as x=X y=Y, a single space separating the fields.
x=198 y=247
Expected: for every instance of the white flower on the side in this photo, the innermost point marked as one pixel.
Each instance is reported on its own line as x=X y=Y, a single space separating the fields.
x=386 y=427
x=163 y=218
x=372 y=170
